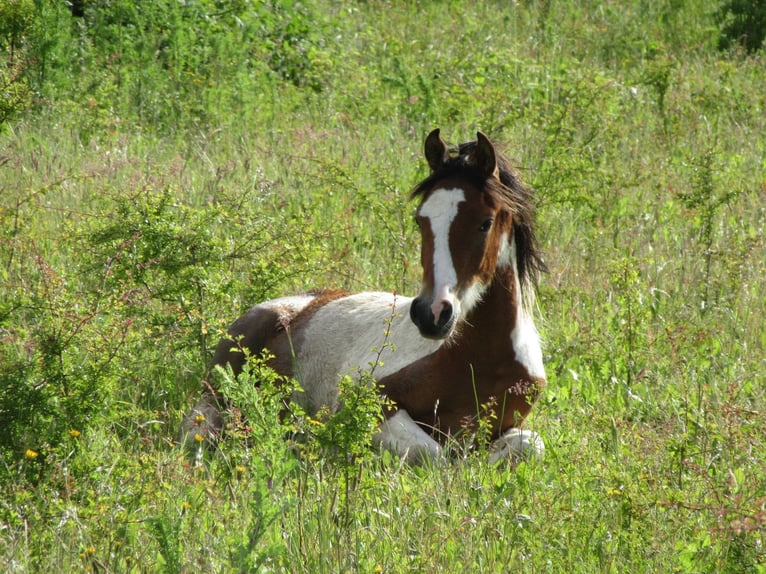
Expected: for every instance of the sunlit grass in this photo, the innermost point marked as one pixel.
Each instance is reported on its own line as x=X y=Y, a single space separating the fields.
x=127 y=247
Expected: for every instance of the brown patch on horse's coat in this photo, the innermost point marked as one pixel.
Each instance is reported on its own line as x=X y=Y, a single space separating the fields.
x=251 y=331
x=321 y=298
x=477 y=250
x=477 y=369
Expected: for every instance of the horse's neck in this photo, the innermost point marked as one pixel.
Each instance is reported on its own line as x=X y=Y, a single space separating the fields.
x=488 y=327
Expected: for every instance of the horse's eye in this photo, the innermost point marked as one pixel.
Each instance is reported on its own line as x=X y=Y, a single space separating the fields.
x=485 y=226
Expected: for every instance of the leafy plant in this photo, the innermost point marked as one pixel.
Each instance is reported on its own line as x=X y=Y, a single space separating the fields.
x=742 y=22
x=16 y=19
x=705 y=201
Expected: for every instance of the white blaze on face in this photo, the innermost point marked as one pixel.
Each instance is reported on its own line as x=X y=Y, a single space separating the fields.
x=441 y=209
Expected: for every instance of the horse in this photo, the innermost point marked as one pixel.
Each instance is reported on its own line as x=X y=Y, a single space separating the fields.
x=466 y=342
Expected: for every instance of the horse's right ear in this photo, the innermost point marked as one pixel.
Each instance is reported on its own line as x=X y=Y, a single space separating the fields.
x=437 y=152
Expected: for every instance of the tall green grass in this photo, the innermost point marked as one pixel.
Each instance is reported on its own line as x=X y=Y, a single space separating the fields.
x=179 y=164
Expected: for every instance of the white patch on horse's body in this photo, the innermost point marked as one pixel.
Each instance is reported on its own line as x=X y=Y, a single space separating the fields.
x=402 y=435
x=507 y=255
x=524 y=338
x=526 y=344
x=472 y=297
x=368 y=331
x=441 y=209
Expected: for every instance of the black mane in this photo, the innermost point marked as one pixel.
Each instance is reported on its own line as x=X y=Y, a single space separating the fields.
x=509 y=191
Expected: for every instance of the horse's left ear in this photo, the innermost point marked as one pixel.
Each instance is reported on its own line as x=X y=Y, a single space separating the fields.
x=437 y=152
x=486 y=159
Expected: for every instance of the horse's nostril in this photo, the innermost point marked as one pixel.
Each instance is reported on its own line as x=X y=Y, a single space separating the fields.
x=416 y=311
x=446 y=314
x=442 y=311
x=432 y=325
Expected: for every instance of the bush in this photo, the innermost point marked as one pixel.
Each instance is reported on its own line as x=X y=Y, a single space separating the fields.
x=743 y=22
x=16 y=18
x=169 y=64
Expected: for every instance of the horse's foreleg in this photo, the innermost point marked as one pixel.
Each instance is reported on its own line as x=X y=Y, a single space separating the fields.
x=402 y=436
x=248 y=333
x=517 y=445
x=205 y=421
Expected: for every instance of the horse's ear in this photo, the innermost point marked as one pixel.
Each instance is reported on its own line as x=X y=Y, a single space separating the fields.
x=437 y=152
x=485 y=158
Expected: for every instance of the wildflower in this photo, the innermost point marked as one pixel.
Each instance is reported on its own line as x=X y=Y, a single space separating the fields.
x=31 y=454
x=240 y=469
x=74 y=433
x=198 y=437
x=200 y=419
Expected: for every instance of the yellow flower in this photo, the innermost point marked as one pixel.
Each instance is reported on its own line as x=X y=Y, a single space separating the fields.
x=200 y=419
x=74 y=433
x=240 y=469
x=31 y=454
x=198 y=437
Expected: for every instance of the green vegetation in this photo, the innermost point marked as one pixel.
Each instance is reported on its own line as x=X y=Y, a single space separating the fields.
x=162 y=169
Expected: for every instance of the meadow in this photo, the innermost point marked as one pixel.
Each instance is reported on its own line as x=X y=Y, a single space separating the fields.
x=164 y=168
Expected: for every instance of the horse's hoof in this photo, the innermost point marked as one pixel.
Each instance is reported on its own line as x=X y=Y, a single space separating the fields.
x=424 y=454
x=203 y=424
x=403 y=437
x=517 y=445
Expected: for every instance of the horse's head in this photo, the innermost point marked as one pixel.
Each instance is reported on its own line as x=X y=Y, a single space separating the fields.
x=467 y=216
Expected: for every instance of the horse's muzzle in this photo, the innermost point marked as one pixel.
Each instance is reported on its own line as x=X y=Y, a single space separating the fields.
x=423 y=317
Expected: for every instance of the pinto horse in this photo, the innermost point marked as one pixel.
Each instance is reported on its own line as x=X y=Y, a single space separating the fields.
x=468 y=339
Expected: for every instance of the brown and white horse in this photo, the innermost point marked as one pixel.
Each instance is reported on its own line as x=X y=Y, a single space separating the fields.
x=467 y=339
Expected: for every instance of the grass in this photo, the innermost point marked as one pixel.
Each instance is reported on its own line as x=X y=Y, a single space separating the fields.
x=131 y=235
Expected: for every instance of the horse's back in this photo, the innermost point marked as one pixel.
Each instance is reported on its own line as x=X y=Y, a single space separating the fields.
x=256 y=329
